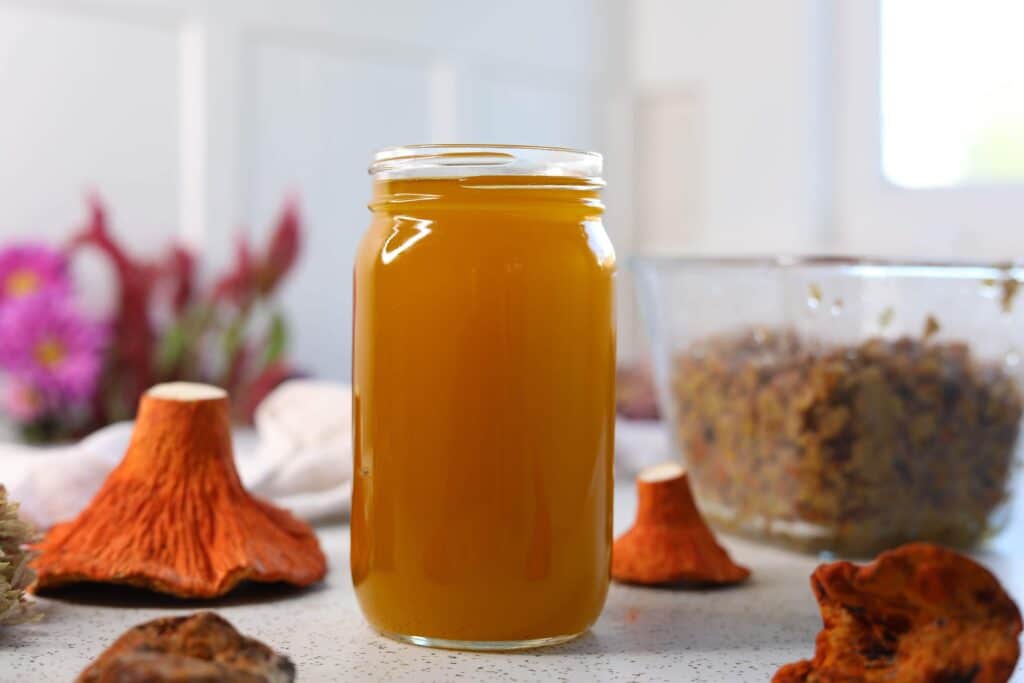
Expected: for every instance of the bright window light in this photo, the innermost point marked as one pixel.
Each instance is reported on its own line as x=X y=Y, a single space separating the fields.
x=952 y=92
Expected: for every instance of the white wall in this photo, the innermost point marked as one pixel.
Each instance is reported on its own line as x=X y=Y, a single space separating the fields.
x=193 y=119
x=734 y=94
x=89 y=99
x=728 y=127
x=720 y=121
x=734 y=128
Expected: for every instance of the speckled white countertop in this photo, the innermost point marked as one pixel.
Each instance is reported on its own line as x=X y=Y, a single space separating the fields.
x=729 y=635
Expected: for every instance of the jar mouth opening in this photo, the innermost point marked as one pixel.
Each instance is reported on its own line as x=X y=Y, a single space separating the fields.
x=468 y=160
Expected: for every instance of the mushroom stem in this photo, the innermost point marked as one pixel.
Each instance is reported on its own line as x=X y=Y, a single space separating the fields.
x=663 y=496
x=186 y=391
x=670 y=542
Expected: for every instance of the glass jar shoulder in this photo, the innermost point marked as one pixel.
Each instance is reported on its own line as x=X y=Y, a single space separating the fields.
x=454 y=236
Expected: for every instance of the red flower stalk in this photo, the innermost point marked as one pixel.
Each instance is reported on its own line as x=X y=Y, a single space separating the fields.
x=238 y=286
x=132 y=329
x=210 y=337
x=252 y=276
x=181 y=268
x=283 y=250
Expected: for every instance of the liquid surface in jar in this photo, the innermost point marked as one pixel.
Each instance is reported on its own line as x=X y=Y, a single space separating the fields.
x=483 y=376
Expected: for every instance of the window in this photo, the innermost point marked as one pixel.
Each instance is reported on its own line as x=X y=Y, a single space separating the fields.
x=952 y=92
x=928 y=145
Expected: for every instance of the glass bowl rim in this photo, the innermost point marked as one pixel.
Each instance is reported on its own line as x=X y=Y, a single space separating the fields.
x=994 y=269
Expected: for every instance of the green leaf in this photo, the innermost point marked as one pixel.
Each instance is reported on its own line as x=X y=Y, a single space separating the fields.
x=233 y=337
x=172 y=347
x=277 y=339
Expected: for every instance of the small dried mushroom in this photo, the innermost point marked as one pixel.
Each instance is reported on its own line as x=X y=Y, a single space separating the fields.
x=15 y=574
x=173 y=517
x=202 y=648
x=670 y=543
x=917 y=613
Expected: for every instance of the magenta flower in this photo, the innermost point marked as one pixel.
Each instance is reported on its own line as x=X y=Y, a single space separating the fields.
x=22 y=402
x=46 y=345
x=32 y=269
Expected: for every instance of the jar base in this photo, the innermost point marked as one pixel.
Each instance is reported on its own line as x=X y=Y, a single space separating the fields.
x=481 y=645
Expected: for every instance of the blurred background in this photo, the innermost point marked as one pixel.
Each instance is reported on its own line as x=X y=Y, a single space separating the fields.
x=888 y=127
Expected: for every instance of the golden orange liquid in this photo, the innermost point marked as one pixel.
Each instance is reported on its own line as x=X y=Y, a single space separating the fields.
x=483 y=377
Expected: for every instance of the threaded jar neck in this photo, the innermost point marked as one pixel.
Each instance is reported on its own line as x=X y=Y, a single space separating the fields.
x=470 y=161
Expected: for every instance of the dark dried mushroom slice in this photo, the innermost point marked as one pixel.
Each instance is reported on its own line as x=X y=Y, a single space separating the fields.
x=199 y=648
x=917 y=613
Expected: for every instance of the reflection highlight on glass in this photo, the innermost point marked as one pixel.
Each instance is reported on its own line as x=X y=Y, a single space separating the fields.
x=404 y=233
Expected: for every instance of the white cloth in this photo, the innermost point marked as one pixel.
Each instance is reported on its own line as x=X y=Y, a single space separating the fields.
x=303 y=461
x=300 y=457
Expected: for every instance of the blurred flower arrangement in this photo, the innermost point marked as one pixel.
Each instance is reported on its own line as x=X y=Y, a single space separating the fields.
x=67 y=374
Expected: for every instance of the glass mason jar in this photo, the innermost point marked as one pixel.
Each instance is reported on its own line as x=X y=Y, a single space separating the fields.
x=483 y=383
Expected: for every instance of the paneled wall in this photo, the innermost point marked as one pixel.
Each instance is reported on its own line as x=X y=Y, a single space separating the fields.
x=90 y=98
x=734 y=97
x=194 y=119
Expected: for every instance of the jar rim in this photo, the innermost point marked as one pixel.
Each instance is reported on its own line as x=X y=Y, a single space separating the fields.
x=472 y=160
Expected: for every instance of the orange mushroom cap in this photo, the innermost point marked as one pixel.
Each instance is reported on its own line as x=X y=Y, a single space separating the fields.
x=670 y=542
x=173 y=517
x=919 y=612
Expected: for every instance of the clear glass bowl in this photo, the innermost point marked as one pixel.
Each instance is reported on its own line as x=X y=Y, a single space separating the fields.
x=839 y=404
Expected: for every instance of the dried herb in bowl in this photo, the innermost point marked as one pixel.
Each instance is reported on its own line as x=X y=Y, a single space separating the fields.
x=849 y=448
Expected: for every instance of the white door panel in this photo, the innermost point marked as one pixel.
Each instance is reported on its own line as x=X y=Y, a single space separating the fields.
x=88 y=102
x=530 y=112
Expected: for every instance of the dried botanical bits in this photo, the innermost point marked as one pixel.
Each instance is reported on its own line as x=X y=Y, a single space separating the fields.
x=15 y=575
x=852 y=448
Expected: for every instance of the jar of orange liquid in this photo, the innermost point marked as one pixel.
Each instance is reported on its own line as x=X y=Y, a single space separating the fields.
x=483 y=381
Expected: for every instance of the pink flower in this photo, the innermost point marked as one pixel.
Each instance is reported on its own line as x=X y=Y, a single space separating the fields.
x=22 y=402
x=46 y=345
x=30 y=270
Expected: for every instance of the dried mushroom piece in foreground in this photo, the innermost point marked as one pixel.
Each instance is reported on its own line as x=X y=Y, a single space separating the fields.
x=199 y=648
x=917 y=613
x=670 y=542
x=15 y=575
x=173 y=516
